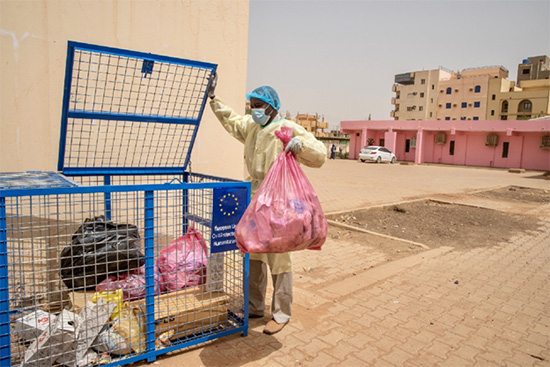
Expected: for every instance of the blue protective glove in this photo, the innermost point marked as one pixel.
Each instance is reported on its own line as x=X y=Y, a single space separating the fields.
x=294 y=146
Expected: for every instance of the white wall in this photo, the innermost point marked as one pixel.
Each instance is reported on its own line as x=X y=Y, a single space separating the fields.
x=33 y=48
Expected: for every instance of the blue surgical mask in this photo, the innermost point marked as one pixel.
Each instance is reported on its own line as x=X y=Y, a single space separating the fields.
x=259 y=116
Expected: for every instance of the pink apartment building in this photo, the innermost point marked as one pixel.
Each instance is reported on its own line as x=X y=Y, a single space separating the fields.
x=488 y=143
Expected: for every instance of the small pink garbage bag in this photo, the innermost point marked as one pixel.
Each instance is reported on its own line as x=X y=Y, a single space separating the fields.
x=183 y=262
x=131 y=283
x=285 y=214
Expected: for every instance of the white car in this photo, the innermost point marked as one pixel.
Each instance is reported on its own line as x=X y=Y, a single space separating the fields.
x=376 y=154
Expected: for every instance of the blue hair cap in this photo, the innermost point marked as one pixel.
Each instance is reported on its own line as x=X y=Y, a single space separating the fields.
x=267 y=94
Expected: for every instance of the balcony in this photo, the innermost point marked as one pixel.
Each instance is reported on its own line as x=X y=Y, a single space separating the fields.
x=404 y=79
x=394 y=88
x=393 y=113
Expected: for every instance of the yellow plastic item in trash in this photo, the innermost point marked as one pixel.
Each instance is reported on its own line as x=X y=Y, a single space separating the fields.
x=115 y=296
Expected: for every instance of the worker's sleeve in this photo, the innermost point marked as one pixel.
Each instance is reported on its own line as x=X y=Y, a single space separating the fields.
x=314 y=152
x=234 y=123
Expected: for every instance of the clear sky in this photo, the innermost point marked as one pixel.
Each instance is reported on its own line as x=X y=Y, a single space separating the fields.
x=338 y=58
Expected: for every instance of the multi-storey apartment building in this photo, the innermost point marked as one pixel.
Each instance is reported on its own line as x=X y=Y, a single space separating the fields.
x=481 y=93
x=416 y=94
x=464 y=96
x=534 y=68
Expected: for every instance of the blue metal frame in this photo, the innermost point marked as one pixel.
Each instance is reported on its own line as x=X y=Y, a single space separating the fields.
x=119 y=188
x=67 y=113
x=149 y=216
x=149 y=191
x=5 y=338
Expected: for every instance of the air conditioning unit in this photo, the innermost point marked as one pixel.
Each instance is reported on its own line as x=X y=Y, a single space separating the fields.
x=413 y=142
x=454 y=105
x=440 y=138
x=491 y=140
x=471 y=89
x=545 y=142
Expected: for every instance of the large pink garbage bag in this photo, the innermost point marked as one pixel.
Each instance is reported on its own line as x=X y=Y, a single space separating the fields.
x=131 y=283
x=183 y=262
x=285 y=214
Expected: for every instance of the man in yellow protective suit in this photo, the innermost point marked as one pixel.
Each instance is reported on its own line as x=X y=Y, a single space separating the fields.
x=261 y=147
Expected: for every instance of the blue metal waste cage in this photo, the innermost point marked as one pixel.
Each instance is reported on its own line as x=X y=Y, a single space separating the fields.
x=125 y=254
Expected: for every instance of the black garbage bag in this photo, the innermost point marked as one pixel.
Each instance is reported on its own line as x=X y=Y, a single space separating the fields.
x=99 y=248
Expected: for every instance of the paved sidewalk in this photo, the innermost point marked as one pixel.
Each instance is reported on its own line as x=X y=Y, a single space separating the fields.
x=488 y=306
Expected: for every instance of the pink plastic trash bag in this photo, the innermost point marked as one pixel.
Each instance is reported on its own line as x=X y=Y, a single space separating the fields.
x=183 y=262
x=285 y=214
x=131 y=283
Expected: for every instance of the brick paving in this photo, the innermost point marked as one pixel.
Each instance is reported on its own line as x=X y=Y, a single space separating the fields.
x=486 y=306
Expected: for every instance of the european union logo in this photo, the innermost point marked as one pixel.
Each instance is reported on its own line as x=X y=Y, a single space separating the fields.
x=229 y=205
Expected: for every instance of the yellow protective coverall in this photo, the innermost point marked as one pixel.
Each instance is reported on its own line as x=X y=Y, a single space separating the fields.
x=261 y=148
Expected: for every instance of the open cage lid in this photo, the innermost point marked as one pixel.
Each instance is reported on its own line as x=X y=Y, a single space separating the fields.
x=128 y=112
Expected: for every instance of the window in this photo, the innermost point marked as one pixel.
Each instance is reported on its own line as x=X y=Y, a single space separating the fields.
x=407 y=145
x=477 y=104
x=433 y=86
x=475 y=118
x=431 y=100
x=526 y=71
x=504 y=106
x=421 y=108
x=422 y=81
x=447 y=118
x=421 y=94
x=413 y=142
x=525 y=106
x=493 y=97
x=448 y=105
x=381 y=142
x=449 y=90
x=477 y=89
x=464 y=104
x=503 y=117
x=452 y=147
x=430 y=114
x=505 y=147
x=545 y=142
x=492 y=112
x=491 y=140
x=463 y=118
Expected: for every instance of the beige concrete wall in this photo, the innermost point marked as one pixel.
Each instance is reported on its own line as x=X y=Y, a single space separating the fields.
x=538 y=95
x=463 y=91
x=33 y=47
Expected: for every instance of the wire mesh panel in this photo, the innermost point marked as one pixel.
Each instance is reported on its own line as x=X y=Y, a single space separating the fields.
x=125 y=111
x=114 y=274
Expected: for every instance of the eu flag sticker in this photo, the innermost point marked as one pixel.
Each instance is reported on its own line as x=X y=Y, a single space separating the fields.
x=229 y=205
